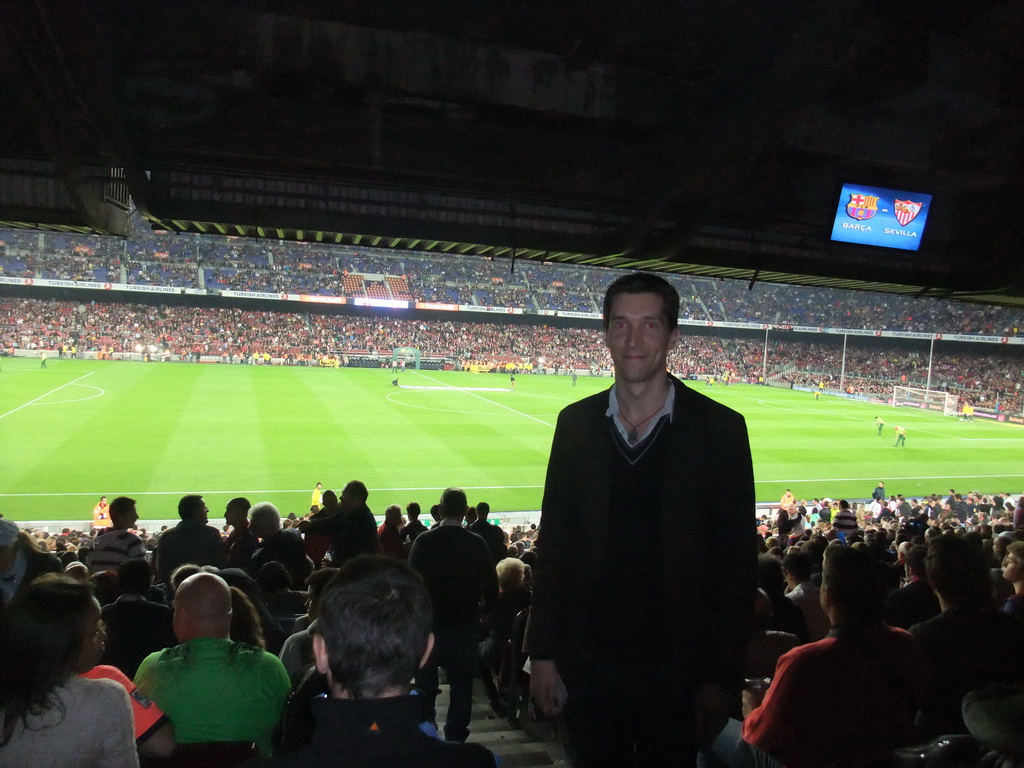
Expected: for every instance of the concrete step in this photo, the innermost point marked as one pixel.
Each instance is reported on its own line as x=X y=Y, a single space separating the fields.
x=515 y=747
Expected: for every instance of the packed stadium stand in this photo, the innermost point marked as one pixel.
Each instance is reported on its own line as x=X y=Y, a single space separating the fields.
x=217 y=264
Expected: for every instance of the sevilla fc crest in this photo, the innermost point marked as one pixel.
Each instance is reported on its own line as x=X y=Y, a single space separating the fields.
x=906 y=211
x=861 y=207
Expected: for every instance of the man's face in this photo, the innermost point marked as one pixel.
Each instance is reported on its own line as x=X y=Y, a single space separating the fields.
x=1013 y=569
x=639 y=338
x=203 y=512
x=233 y=515
x=94 y=641
x=348 y=500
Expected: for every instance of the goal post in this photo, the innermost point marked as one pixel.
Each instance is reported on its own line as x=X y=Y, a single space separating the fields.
x=409 y=355
x=926 y=399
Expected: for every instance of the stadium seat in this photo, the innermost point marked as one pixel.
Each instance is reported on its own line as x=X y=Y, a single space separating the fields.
x=211 y=754
x=951 y=751
x=513 y=682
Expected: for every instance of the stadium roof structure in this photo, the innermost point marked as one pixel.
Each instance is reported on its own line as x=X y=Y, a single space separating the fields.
x=704 y=138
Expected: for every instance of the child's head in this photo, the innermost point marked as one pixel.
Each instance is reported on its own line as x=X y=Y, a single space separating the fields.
x=373 y=627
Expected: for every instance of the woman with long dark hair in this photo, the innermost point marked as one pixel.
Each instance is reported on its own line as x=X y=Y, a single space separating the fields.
x=49 y=717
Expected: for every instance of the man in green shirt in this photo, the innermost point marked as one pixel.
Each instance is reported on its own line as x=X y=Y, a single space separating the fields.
x=213 y=689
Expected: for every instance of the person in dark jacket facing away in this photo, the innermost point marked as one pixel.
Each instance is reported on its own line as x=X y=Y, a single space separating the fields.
x=372 y=633
x=492 y=534
x=459 y=572
x=20 y=560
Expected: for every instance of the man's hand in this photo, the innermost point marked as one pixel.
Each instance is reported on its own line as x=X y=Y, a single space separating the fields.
x=546 y=688
x=751 y=700
x=711 y=712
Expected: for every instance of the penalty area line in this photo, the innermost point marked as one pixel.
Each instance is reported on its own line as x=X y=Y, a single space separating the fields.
x=46 y=394
x=486 y=400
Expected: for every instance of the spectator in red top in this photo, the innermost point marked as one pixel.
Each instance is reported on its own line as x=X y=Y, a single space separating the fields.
x=872 y=673
x=390 y=533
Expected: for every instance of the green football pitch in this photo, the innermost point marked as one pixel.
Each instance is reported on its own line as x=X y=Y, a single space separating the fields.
x=156 y=431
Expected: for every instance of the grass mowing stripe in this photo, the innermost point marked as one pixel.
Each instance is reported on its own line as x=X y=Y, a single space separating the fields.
x=169 y=429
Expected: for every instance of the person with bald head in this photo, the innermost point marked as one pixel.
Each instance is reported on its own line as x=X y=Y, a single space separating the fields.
x=212 y=688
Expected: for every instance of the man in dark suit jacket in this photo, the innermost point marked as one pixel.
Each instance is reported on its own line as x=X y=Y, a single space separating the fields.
x=460 y=575
x=646 y=560
x=353 y=530
x=492 y=535
x=190 y=541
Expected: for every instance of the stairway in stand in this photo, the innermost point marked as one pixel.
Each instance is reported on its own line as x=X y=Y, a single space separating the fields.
x=515 y=747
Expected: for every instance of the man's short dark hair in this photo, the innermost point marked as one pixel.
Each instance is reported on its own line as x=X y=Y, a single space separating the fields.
x=189 y=506
x=644 y=282
x=318 y=581
x=798 y=564
x=770 y=577
x=330 y=496
x=119 y=507
x=356 y=489
x=854 y=582
x=135 y=577
x=958 y=572
x=454 y=502
x=375 y=619
x=240 y=502
x=915 y=560
x=273 y=577
x=412 y=509
x=483 y=509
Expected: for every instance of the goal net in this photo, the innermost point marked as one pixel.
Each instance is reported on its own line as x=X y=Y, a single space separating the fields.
x=927 y=399
x=408 y=355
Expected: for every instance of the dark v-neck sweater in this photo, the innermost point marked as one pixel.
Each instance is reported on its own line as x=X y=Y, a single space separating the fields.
x=626 y=620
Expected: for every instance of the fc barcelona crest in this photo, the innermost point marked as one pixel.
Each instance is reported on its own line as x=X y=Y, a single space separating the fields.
x=906 y=211
x=862 y=207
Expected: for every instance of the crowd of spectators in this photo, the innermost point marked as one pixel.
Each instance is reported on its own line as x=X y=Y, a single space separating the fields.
x=218 y=263
x=197 y=617
x=213 y=628
x=985 y=377
x=821 y=307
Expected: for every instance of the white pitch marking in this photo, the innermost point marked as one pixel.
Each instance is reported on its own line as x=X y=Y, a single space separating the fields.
x=913 y=416
x=492 y=402
x=100 y=392
x=873 y=478
x=235 y=491
x=460 y=411
x=46 y=394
